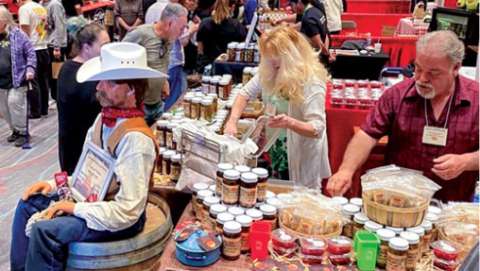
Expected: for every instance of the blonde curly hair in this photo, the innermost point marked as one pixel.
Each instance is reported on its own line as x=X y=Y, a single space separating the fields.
x=298 y=63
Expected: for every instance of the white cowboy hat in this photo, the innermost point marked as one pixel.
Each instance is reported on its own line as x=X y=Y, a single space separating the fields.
x=118 y=61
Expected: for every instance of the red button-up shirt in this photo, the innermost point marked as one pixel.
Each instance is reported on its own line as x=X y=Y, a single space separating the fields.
x=400 y=114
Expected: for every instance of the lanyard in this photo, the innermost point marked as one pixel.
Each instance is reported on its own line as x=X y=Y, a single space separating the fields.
x=448 y=111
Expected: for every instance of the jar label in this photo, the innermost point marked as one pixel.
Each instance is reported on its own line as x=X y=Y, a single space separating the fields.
x=165 y=170
x=231 y=246
x=161 y=138
x=194 y=111
x=203 y=112
x=248 y=196
x=426 y=239
x=221 y=93
x=175 y=172
x=245 y=244
x=412 y=257
x=186 y=108
x=261 y=191
x=348 y=230
x=238 y=55
x=382 y=255
x=396 y=262
x=169 y=140
x=218 y=186
x=230 y=193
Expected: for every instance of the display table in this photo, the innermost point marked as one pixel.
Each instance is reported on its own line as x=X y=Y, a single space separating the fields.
x=371 y=63
x=408 y=26
x=221 y=67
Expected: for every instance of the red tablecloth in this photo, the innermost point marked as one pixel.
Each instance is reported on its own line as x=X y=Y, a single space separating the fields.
x=401 y=48
x=373 y=22
x=379 y=6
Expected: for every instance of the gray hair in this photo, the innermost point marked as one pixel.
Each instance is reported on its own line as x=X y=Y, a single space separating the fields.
x=6 y=17
x=173 y=11
x=444 y=42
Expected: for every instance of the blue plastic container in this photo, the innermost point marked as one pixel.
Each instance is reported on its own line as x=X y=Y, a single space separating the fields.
x=190 y=253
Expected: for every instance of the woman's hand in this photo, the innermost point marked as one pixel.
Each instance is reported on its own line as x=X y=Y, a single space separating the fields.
x=230 y=128
x=280 y=121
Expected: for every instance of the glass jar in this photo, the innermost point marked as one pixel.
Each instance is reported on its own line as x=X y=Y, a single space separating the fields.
x=246 y=223
x=231 y=186
x=372 y=226
x=262 y=183
x=238 y=52
x=269 y=214
x=357 y=201
x=348 y=211
x=195 y=188
x=413 y=253
x=203 y=109
x=434 y=219
x=275 y=202
x=201 y=195
x=420 y=231
x=340 y=200
x=397 y=231
x=219 y=179
x=159 y=162
x=206 y=83
x=242 y=169
x=359 y=220
x=195 y=108
x=167 y=162
x=231 y=51
x=397 y=254
x=236 y=210
x=187 y=103
x=169 y=135
x=161 y=132
x=243 y=50
x=224 y=89
x=206 y=204
x=256 y=55
x=248 y=190
x=255 y=214
x=214 y=211
x=222 y=218
x=176 y=167
x=232 y=240
x=214 y=106
x=249 y=53
x=427 y=238
x=384 y=235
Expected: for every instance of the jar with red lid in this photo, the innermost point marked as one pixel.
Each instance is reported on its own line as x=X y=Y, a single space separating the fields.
x=312 y=250
x=444 y=250
x=282 y=242
x=339 y=245
x=344 y=259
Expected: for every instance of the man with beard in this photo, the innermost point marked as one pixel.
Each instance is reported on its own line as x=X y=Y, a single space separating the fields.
x=431 y=121
x=120 y=132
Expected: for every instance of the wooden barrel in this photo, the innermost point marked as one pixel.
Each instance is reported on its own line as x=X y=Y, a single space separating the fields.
x=140 y=252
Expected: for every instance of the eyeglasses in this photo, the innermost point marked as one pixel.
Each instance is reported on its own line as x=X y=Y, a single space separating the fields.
x=163 y=50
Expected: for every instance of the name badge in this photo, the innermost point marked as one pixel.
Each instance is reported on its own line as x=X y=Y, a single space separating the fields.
x=434 y=136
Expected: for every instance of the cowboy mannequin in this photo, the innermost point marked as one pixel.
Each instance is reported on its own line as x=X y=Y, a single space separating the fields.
x=122 y=213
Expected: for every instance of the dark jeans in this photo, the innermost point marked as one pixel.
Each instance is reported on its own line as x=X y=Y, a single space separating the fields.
x=38 y=97
x=53 y=82
x=47 y=247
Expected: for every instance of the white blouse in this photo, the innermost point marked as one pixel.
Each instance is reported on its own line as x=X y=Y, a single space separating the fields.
x=307 y=157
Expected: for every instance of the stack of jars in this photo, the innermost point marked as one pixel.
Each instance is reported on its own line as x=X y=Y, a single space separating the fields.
x=220 y=85
x=235 y=197
x=241 y=52
x=355 y=93
x=200 y=106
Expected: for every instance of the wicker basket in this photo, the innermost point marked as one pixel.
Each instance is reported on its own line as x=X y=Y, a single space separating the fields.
x=311 y=229
x=394 y=216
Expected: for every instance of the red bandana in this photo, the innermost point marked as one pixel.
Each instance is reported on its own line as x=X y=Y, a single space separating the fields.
x=110 y=114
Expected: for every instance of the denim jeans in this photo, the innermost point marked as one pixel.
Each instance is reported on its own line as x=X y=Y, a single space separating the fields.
x=178 y=84
x=47 y=247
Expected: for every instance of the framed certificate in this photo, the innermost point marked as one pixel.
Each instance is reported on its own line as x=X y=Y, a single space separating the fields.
x=93 y=174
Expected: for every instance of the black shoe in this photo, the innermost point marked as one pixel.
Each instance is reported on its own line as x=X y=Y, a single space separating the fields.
x=22 y=139
x=13 y=137
x=34 y=116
